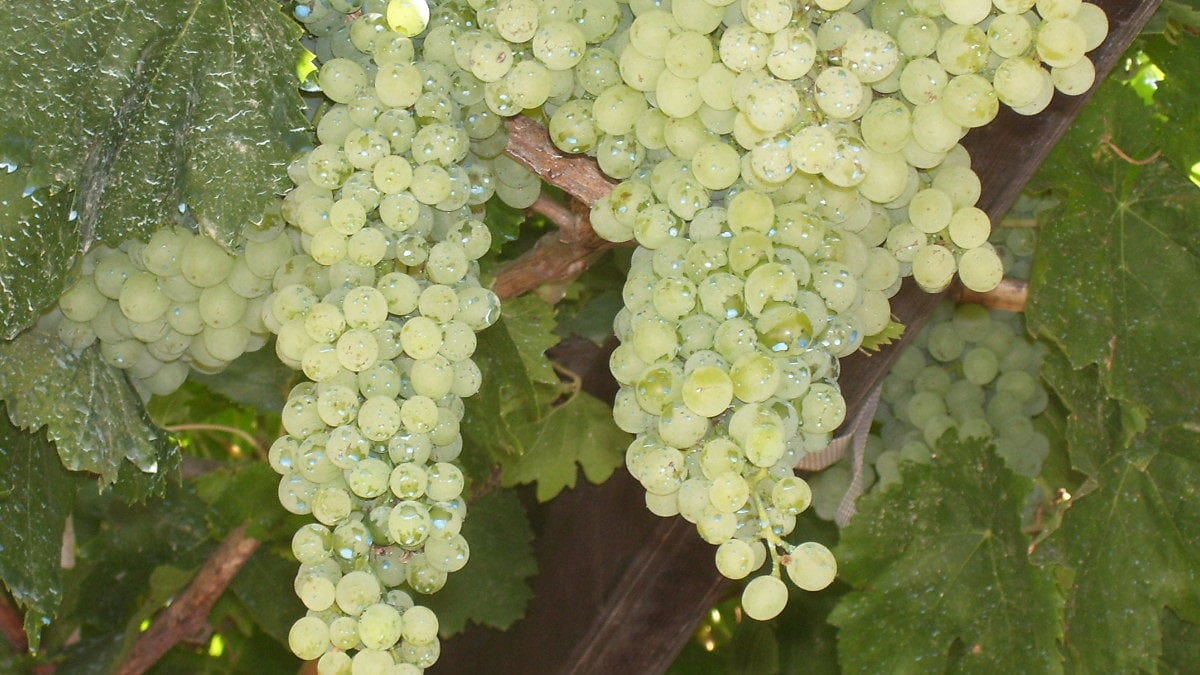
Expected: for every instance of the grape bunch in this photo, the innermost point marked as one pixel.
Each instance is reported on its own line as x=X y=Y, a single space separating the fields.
x=971 y=370
x=176 y=301
x=380 y=312
x=782 y=168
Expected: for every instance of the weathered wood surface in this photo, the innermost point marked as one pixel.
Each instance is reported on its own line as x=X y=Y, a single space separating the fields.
x=621 y=590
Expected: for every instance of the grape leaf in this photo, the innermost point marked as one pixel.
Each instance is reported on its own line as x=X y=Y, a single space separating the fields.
x=579 y=431
x=1109 y=288
x=1177 y=93
x=120 y=547
x=593 y=300
x=153 y=109
x=1130 y=534
x=593 y=319
x=264 y=587
x=493 y=589
x=940 y=566
x=255 y=379
x=530 y=323
x=518 y=381
x=246 y=492
x=890 y=333
x=36 y=496
x=88 y=407
x=1185 y=12
x=1109 y=256
x=40 y=248
x=504 y=222
x=501 y=416
x=1181 y=645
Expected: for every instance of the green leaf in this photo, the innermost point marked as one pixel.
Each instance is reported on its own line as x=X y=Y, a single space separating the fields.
x=40 y=248
x=120 y=547
x=255 y=379
x=1181 y=645
x=88 y=407
x=493 y=589
x=518 y=381
x=501 y=416
x=754 y=650
x=1177 y=94
x=150 y=109
x=1185 y=13
x=890 y=333
x=245 y=492
x=942 y=574
x=593 y=319
x=36 y=496
x=1129 y=536
x=264 y=587
x=1123 y=237
x=1133 y=549
x=530 y=324
x=504 y=222
x=593 y=300
x=580 y=431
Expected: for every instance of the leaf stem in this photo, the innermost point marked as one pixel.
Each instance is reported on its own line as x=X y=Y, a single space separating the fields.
x=254 y=443
x=575 y=380
x=1107 y=140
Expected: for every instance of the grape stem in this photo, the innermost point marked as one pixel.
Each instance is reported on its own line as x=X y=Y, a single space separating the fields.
x=559 y=256
x=557 y=213
x=564 y=254
x=1011 y=295
x=774 y=542
x=187 y=614
x=578 y=175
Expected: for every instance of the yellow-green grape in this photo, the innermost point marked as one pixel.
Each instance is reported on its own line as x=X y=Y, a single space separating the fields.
x=408 y=17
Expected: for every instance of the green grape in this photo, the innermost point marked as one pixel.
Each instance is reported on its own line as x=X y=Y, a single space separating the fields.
x=356 y=591
x=708 y=391
x=445 y=482
x=379 y=627
x=309 y=638
x=1060 y=42
x=764 y=597
x=82 y=302
x=221 y=307
x=226 y=344
x=980 y=269
x=335 y=663
x=357 y=350
x=447 y=554
x=379 y=418
x=368 y=478
x=420 y=625
x=811 y=566
x=933 y=267
x=735 y=559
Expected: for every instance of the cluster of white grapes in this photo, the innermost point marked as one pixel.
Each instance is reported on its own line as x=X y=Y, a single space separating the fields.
x=176 y=301
x=380 y=312
x=971 y=370
x=783 y=167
